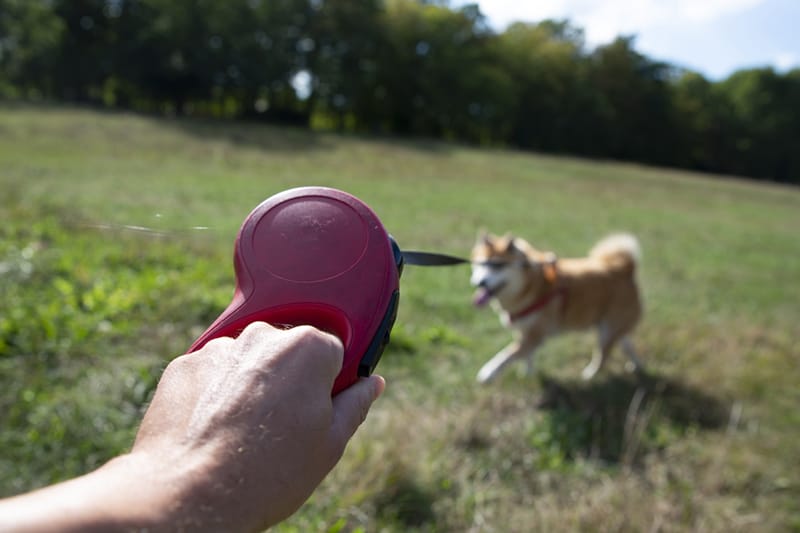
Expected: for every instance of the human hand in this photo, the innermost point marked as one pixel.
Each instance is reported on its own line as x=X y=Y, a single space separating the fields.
x=254 y=420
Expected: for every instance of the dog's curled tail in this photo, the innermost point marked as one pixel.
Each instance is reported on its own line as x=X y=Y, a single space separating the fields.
x=620 y=249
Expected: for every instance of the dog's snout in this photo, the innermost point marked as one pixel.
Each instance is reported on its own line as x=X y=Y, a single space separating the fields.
x=479 y=279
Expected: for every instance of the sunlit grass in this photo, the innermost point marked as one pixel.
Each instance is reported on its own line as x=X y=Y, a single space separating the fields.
x=90 y=312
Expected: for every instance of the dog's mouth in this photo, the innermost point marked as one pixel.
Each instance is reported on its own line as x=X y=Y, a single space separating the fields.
x=484 y=293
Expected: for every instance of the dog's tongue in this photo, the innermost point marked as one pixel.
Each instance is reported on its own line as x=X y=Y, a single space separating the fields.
x=482 y=295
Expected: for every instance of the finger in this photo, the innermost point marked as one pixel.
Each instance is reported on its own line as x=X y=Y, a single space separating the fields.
x=213 y=349
x=319 y=354
x=302 y=355
x=350 y=408
x=253 y=335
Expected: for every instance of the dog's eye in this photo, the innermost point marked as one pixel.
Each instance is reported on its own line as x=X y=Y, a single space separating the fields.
x=495 y=264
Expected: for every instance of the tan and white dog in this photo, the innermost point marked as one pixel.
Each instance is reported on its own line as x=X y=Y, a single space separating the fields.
x=538 y=295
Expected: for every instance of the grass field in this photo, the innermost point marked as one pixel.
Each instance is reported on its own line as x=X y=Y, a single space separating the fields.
x=90 y=312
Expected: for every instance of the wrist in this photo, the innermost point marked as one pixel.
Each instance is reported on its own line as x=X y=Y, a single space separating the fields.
x=146 y=493
x=159 y=492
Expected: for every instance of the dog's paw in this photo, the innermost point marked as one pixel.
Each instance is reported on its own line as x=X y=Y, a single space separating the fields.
x=485 y=375
x=590 y=371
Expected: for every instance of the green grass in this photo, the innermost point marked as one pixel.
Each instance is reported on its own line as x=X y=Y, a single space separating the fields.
x=90 y=312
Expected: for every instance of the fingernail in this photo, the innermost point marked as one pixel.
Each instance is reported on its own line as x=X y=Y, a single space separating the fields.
x=378 y=387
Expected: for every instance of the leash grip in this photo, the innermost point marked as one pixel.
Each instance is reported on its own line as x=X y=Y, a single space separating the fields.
x=316 y=256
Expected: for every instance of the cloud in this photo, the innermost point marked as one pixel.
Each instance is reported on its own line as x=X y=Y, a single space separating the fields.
x=786 y=61
x=709 y=10
x=603 y=20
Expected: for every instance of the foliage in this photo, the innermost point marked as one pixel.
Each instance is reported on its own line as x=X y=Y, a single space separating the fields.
x=65 y=298
x=402 y=67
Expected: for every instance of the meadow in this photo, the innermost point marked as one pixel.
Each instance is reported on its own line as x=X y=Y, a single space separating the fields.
x=115 y=253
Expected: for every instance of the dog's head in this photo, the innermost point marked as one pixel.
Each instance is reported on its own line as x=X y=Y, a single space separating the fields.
x=504 y=266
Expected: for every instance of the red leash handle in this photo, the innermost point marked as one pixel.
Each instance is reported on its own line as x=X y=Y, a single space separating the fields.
x=316 y=256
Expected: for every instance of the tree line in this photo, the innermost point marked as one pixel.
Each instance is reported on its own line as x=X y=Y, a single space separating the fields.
x=401 y=67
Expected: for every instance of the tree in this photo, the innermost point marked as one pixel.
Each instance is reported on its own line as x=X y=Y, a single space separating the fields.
x=767 y=107
x=545 y=62
x=84 y=59
x=30 y=34
x=707 y=124
x=343 y=59
x=435 y=73
x=632 y=113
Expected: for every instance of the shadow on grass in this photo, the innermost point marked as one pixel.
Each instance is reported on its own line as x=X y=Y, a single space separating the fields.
x=404 y=501
x=617 y=417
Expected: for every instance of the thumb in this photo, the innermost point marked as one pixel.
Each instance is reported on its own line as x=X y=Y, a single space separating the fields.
x=350 y=408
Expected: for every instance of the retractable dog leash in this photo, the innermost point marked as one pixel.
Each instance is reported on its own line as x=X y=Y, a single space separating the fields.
x=320 y=256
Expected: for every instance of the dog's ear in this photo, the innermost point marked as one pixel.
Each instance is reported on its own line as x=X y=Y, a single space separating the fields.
x=483 y=236
x=508 y=245
x=548 y=262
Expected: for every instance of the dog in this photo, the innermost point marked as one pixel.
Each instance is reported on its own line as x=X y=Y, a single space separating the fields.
x=538 y=295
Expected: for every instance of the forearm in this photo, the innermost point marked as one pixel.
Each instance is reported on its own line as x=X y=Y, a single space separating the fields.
x=125 y=494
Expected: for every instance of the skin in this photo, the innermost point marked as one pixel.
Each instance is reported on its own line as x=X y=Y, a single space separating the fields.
x=237 y=437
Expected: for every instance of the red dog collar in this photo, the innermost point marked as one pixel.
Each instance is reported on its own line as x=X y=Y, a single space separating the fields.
x=540 y=303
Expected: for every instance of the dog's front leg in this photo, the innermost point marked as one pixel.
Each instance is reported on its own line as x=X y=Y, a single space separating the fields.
x=513 y=351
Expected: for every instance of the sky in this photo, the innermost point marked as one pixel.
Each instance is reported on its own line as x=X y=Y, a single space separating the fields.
x=713 y=37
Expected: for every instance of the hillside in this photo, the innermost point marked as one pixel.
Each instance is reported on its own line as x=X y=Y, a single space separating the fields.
x=91 y=310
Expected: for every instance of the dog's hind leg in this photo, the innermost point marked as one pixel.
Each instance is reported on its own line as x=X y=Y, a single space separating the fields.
x=606 y=338
x=510 y=353
x=598 y=360
x=634 y=364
